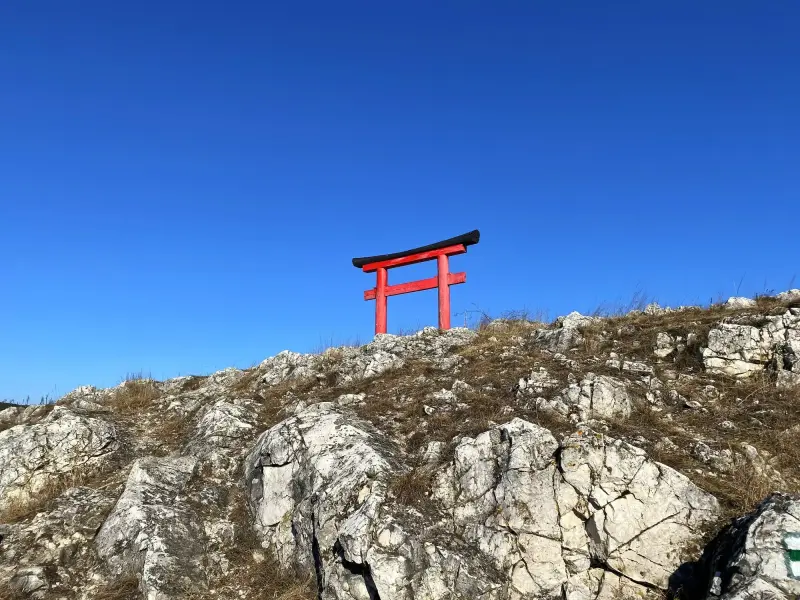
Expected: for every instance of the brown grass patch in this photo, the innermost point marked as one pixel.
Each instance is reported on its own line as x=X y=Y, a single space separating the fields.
x=247 y=382
x=762 y=415
x=134 y=395
x=173 y=431
x=125 y=587
x=412 y=488
x=20 y=509
x=633 y=335
x=254 y=570
x=194 y=383
x=7 y=593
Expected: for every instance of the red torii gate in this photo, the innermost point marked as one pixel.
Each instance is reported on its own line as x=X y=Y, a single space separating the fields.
x=441 y=251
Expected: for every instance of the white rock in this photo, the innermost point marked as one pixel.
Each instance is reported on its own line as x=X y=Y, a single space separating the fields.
x=317 y=486
x=575 y=320
x=62 y=447
x=598 y=396
x=740 y=302
x=149 y=531
x=741 y=350
x=216 y=441
x=646 y=512
x=370 y=360
x=752 y=556
x=629 y=366
x=665 y=345
x=613 y=506
x=789 y=296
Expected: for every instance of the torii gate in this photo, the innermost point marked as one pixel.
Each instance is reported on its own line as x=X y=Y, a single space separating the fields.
x=441 y=251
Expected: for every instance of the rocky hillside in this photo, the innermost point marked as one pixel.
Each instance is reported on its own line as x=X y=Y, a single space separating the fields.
x=654 y=454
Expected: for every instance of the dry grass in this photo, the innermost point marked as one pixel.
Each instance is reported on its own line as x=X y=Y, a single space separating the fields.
x=7 y=425
x=133 y=407
x=479 y=319
x=637 y=302
x=125 y=587
x=40 y=412
x=135 y=395
x=7 y=593
x=634 y=333
x=195 y=382
x=762 y=415
x=20 y=509
x=173 y=431
x=253 y=570
x=247 y=382
x=412 y=488
x=330 y=343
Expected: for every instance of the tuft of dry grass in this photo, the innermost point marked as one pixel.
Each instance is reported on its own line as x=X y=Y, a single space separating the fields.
x=19 y=509
x=412 y=488
x=135 y=395
x=195 y=382
x=8 y=593
x=172 y=431
x=638 y=302
x=125 y=587
x=254 y=571
x=326 y=344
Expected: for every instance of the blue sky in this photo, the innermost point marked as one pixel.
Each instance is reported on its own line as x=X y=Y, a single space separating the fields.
x=182 y=185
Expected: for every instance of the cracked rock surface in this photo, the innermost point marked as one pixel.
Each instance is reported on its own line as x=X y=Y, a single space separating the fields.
x=151 y=532
x=742 y=350
x=542 y=514
x=317 y=488
x=63 y=446
x=752 y=558
x=593 y=458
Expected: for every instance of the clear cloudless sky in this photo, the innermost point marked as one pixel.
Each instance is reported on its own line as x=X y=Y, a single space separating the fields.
x=183 y=184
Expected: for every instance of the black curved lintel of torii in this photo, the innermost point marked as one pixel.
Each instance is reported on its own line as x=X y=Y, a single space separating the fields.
x=466 y=239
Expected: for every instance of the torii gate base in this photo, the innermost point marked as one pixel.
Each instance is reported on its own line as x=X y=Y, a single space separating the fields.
x=441 y=251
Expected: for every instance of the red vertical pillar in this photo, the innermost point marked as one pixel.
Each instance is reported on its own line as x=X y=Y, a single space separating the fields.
x=380 y=301
x=443 y=263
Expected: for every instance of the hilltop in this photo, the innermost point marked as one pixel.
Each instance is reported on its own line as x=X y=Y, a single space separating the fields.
x=650 y=454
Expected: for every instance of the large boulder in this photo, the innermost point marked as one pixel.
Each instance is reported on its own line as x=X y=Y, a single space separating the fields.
x=41 y=459
x=49 y=554
x=598 y=396
x=316 y=482
x=152 y=532
x=317 y=489
x=547 y=513
x=499 y=491
x=565 y=333
x=741 y=350
x=638 y=515
x=520 y=514
x=758 y=556
x=217 y=441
